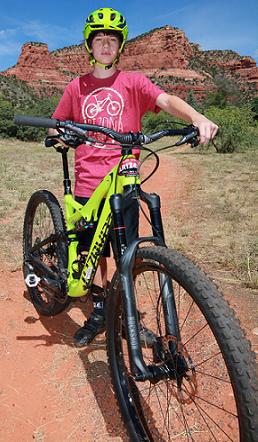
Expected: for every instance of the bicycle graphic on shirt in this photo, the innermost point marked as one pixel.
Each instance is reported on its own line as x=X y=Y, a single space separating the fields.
x=113 y=107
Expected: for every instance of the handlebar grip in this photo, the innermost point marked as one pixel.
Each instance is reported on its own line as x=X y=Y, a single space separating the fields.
x=26 y=120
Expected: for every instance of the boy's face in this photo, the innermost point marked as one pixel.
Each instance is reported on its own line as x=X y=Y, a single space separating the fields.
x=105 y=47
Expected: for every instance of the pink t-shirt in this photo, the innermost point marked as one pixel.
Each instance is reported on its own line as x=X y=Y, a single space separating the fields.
x=117 y=102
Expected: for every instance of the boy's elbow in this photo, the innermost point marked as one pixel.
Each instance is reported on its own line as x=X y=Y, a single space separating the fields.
x=163 y=101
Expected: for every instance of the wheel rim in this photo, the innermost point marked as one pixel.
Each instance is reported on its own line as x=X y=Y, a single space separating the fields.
x=203 y=409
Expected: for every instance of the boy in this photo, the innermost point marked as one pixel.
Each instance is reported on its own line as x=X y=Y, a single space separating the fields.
x=115 y=99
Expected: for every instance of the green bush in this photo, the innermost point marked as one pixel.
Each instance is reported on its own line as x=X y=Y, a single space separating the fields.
x=16 y=97
x=153 y=122
x=7 y=127
x=237 y=128
x=42 y=108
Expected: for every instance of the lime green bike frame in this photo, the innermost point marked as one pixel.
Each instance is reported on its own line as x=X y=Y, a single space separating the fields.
x=113 y=183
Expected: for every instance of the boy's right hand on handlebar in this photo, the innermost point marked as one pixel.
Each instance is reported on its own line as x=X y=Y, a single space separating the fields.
x=207 y=129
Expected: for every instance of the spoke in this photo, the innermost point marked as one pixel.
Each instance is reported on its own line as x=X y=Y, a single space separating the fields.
x=215 y=423
x=206 y=360
x=167 y=411
x=188 y=313
x=206 y=423
x=207 y=402
x=199 y=331
x=148 y=289
x=215 y=406
x=164 y=418
x=185 y=390
x=188 y=431
x=212 y=376
x=174 y=408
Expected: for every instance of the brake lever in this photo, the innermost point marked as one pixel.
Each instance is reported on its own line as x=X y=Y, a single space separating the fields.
x=51 y=140
x=194 y=142
x=184 y=139
x=190 y=137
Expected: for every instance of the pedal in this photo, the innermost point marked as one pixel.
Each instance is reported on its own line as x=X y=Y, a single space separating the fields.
x=32 y=280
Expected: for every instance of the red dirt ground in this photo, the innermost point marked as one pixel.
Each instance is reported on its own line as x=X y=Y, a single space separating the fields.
x=49 y=390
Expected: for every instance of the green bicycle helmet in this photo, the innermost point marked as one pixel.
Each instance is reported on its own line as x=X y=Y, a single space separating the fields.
x=105 y=19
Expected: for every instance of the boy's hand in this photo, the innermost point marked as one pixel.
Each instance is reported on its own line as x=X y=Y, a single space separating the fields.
x=207 y=129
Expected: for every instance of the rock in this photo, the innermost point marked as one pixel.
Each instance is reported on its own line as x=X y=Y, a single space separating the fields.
x=164 y=54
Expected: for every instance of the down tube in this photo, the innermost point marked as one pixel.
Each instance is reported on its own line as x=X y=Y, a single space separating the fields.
x=82 y=286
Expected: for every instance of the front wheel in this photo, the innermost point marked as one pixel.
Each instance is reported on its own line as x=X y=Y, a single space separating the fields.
x=215 y=397
x=45 y=253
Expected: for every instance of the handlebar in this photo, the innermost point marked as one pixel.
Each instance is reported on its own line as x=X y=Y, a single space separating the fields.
x=188 y=133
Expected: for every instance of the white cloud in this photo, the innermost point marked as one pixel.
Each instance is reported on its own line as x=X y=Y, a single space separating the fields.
x=34 y=30
x=174 y=12
x=11 y=48
x=46 y=33
x=8 y=43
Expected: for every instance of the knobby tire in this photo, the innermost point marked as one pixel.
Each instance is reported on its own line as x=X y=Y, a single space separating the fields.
x=44 y=217
x=218 y=401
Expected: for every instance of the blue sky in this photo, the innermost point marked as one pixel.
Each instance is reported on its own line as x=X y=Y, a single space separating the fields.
x=218 y=24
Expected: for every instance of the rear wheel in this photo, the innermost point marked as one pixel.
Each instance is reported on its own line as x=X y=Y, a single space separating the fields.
x=45 y=253
x=215 y=397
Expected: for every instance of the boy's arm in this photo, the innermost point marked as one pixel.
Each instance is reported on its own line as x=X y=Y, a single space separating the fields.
x=179 y=108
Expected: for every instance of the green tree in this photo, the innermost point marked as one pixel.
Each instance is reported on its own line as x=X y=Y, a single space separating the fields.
x=192 y=101
x=152 y=122
x=254 y=107
x=7 y=127
x=226 y=92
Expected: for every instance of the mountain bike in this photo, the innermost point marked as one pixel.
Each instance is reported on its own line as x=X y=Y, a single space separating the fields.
x=197 y=379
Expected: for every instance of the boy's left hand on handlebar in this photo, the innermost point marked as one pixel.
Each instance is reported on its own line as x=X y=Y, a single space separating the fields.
x=207 y=129
x=65 y=139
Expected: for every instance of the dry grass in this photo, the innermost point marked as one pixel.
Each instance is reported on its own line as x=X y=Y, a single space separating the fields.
x=24 y=168
x=220 y=202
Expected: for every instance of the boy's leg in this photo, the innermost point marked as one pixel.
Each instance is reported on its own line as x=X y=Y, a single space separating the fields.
x=95 y=323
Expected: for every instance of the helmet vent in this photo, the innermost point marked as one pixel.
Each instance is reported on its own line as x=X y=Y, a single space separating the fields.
x=112 y=16
x=100 y=15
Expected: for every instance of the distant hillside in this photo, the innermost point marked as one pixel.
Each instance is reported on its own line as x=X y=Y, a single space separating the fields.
x=164 y=54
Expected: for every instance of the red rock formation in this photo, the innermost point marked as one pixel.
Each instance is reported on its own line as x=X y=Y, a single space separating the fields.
x=37 y=67
x=163 y=54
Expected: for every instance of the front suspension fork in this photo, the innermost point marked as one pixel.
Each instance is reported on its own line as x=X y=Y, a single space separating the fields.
x=166 y=287
x=125 y=262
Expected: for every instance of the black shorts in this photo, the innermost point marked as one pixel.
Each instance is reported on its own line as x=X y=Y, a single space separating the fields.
x=131 y=217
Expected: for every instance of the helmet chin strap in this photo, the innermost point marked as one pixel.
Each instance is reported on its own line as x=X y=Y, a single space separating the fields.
x=102 y=65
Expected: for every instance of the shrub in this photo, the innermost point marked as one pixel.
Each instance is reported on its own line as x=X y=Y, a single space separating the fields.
x=7 y=127
x=236 y=128
x=153 y=122
x=40 y=107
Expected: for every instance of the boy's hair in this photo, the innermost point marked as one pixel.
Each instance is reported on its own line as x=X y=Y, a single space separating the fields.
x=106 y=32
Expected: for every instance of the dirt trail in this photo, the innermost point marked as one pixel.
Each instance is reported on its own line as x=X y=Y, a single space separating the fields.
x=49 y=390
